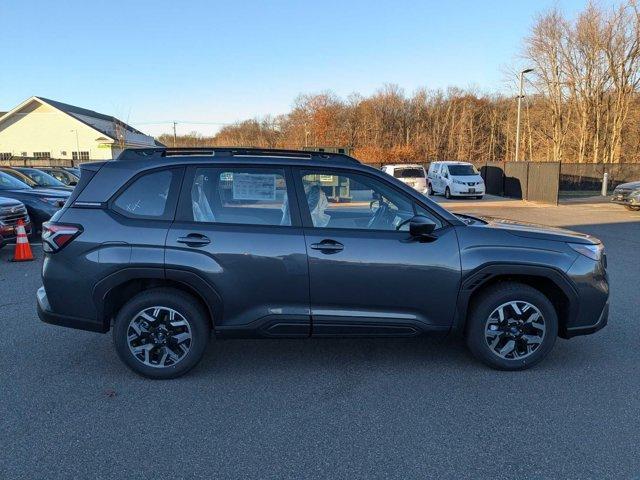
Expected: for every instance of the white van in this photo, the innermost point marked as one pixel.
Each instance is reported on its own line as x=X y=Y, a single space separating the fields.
x=413 y=175
x=455 y=179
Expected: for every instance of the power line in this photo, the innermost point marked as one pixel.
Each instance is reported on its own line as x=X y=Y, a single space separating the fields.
x=188 y=122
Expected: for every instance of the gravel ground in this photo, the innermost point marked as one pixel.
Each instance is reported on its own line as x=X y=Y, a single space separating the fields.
x=399 y=408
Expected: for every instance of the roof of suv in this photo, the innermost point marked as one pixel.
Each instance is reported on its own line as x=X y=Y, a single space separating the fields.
x=228 y=153
x=403 y=165
x=451 y=162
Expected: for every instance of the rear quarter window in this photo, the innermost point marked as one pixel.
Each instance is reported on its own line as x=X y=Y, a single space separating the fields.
x=148 y=196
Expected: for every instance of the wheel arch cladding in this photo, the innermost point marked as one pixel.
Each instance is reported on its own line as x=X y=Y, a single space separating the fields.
x=549 y=281
x=114 y=291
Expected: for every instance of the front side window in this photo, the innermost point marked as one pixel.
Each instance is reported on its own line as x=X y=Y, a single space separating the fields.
x=354 y=201
x=147 y=196
x=248 y=196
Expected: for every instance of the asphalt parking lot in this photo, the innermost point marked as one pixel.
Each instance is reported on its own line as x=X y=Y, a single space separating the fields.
x=353 y=408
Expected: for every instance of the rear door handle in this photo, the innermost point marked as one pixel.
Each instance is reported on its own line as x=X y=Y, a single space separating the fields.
x=328 y=246
x=194 y=240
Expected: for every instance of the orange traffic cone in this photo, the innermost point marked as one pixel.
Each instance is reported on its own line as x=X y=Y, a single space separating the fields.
x=23 y=249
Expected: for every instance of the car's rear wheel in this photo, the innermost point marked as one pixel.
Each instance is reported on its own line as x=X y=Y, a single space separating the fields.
x=161 y=333
x=429 y=189
x=635 y=208
x=479 y=197
x=447 y=193
x=511 y=326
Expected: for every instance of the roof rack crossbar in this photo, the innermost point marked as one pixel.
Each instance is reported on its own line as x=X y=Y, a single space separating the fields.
x=136 y=153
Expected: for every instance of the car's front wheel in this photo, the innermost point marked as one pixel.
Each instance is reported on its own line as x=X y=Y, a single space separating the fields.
x=511 y=326
x=634 y=208
x=161 y=333
x=429 y=189
x=447 y=193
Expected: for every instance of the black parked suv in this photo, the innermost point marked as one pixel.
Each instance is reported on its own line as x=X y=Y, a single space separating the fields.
x=41 y=203
x=11 y=212
x=163 y=247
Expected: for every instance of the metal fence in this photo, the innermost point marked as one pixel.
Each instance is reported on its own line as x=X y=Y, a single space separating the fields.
x=588 y=176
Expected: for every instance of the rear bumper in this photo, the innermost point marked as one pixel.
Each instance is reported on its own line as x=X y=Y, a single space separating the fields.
x=48 y=316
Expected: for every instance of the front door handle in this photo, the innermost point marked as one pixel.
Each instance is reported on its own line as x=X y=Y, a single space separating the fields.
x=328 y=246
x=194 y=240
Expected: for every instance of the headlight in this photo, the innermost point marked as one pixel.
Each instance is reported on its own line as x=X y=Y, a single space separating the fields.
x=459 y=182
x=594 y=252
x=56 y=202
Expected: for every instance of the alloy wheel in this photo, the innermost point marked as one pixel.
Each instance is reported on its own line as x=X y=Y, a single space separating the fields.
x=159 y=337
x=515 y=330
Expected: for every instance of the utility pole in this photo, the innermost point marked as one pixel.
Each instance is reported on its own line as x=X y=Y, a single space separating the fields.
x=520 y=95
x=175 y=137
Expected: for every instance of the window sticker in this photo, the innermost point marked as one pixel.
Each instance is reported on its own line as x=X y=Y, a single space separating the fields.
x=251 y=186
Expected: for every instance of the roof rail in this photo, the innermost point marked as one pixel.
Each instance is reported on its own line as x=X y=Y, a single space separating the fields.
x=137 y=153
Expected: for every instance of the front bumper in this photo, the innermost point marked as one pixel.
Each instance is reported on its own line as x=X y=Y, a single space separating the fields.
x=48 y=316
x=9 y=235
x=465 y=191
x=626 y=198
x=589 y=329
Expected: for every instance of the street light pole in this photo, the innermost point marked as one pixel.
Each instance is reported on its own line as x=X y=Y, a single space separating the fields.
x=519 y=107
x=77 y=146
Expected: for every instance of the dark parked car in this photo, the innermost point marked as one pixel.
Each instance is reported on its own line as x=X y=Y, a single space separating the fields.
x=62 y=174
x=12 y=211
x=627 y=194
x=153 y=247
x=41 y=203
x=36 y=178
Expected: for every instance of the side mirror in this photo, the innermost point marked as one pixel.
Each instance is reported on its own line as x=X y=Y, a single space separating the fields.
x=421 y=227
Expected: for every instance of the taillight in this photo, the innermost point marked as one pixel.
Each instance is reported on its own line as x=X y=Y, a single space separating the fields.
x=55 y=236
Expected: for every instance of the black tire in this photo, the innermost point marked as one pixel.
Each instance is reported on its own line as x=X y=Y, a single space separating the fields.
x=478 y=320
x=447 y=193
x=633 y=208
x=429 y=189
x=479 y=197
x=182 y=303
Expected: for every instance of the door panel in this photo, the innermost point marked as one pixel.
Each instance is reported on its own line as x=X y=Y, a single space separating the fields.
x=381 y=281
x=368 y=276
x=260 y=272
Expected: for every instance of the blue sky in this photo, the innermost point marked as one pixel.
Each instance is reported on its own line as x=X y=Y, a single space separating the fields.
x=208 y=61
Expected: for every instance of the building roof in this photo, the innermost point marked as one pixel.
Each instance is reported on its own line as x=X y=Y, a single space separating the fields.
x=73 y=110
x=113 y=128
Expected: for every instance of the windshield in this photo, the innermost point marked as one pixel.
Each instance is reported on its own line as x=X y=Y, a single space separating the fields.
x=41 y=178
x=456 y=170
x=413 y=172
x=7 y=182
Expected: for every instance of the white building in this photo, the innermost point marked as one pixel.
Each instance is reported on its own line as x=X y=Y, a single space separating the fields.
x=43 y=128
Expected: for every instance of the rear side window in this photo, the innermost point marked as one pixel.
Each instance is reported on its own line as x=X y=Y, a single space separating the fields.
x=147 y=196
x=235 y=195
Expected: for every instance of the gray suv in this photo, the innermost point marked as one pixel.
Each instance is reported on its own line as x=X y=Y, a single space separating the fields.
x=163 y=247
